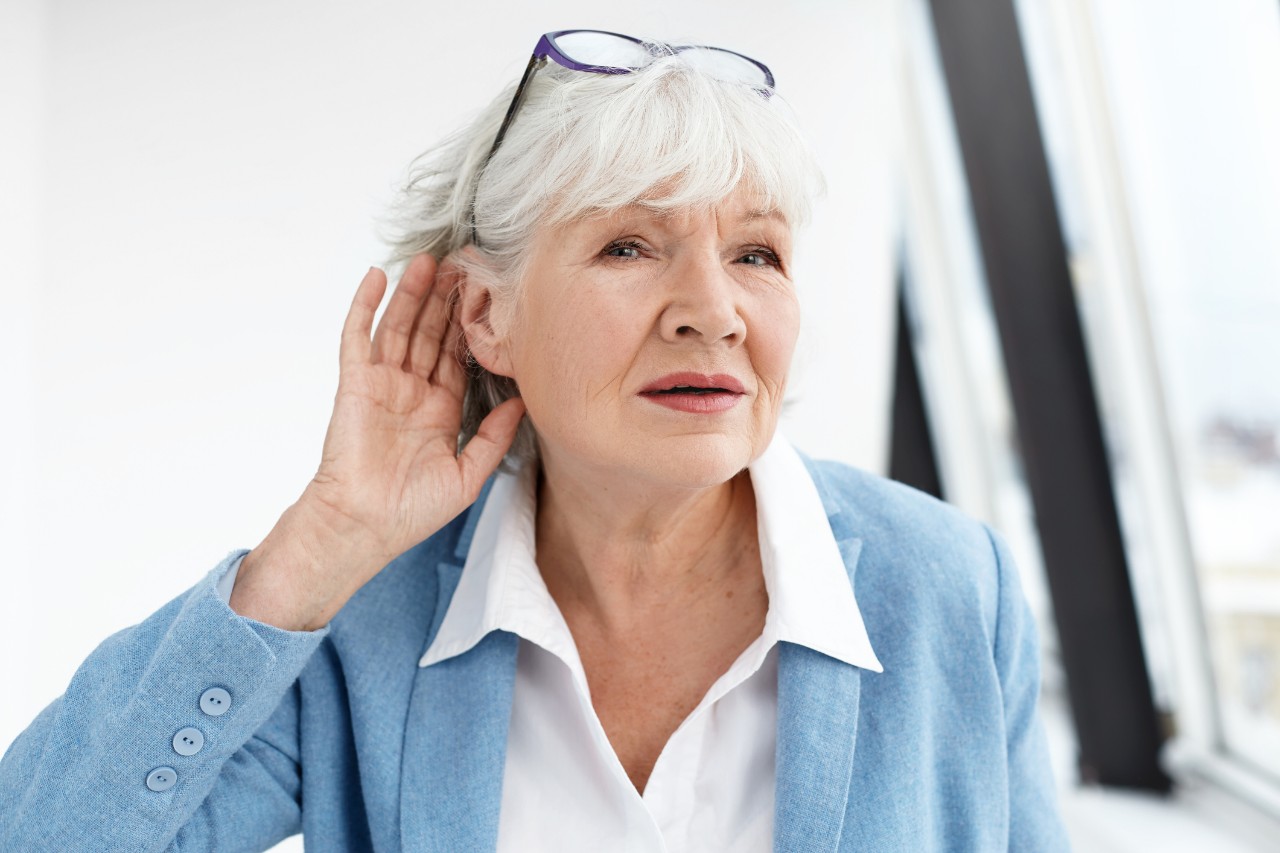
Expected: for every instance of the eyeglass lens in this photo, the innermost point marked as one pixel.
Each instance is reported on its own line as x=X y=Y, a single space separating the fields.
x=723 y=65
x=603 y=49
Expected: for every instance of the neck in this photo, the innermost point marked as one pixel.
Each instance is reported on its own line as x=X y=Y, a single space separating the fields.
x=620 y=554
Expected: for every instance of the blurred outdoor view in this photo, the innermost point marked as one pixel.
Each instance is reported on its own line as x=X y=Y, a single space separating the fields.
x=1192 y=91
x=1199 y=130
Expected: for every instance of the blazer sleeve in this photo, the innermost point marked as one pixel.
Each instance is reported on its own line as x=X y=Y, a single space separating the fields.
x=83 y=776
x=1034 y=822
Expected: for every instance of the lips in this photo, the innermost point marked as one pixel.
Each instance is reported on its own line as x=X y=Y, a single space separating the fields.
x=695 y=393
x=694 y=383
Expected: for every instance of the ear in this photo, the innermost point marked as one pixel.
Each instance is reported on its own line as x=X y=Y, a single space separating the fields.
x=482 y=314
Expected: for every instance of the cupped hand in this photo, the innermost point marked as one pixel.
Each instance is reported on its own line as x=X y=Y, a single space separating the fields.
x=390 y=473
x=390 y=463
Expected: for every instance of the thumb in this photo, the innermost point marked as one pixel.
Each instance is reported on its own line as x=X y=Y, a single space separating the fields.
x=491 y=442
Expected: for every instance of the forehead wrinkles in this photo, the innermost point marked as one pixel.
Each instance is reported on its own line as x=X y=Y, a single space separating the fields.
x=727 y=215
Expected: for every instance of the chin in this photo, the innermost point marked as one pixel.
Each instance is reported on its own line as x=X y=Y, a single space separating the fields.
x=691 y=461
x=627 y=454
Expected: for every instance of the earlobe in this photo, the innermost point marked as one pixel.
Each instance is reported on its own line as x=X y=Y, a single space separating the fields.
x=475 y=312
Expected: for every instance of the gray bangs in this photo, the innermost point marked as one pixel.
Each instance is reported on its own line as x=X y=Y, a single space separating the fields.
x=667 y=137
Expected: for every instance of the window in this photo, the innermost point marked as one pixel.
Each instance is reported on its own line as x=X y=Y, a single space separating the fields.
x=1161 y=126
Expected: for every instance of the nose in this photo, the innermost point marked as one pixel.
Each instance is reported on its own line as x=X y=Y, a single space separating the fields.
x=704 y=305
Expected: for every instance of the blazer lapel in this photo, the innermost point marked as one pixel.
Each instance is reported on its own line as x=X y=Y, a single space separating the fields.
x=817 y=725
x=455 y=749
x=817 y=731
x=455 y=741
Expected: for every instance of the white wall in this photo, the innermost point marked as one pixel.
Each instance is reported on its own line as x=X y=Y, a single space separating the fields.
x=22 y=122
x=188 y=202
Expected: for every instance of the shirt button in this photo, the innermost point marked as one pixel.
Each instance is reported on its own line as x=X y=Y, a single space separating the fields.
x=162 y=778
x=215 y=701
x=188 y=741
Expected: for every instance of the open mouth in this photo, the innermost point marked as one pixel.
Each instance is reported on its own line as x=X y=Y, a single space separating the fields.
x=691 y=389
x=689 y=382
x=696 y=393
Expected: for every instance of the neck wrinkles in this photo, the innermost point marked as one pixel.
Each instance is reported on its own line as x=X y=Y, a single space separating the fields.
x=617 y=553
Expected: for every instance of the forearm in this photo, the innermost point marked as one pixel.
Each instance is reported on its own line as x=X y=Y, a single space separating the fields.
x=77 y=778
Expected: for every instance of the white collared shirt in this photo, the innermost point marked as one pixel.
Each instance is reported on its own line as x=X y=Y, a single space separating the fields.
x=712 y=787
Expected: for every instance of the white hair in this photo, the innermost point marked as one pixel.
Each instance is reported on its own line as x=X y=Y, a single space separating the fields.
x=667 y=136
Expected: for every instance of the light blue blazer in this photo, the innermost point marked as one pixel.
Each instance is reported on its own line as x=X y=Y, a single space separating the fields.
x=339 y=734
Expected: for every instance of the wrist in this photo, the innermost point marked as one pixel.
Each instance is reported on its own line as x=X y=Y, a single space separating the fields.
x=305 y=569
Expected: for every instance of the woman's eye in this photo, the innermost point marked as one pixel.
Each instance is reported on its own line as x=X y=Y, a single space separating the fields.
x=760 y=258
x=627 y=249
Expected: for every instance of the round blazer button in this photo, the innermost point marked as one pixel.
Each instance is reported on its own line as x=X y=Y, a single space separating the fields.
x=162 y=778
x=188 y=741
x=215 y=701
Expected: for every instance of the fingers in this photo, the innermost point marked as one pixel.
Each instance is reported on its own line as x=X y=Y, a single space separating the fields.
x=482 y=454
x=354 y=348
x=391 y=340
x=429 y=330
x=450 y=368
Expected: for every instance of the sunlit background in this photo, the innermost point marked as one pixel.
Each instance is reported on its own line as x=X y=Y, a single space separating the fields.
x=189 y=194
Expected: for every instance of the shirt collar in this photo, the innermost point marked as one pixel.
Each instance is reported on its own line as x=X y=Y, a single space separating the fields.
x=811 y=600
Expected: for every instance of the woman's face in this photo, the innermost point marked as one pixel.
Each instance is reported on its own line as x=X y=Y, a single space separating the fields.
x=655 y=346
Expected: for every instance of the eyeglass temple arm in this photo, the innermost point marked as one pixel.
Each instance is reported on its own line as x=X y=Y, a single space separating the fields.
x=534 y=62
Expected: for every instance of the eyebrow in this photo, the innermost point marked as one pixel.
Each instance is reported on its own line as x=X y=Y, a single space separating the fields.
x=771 y=213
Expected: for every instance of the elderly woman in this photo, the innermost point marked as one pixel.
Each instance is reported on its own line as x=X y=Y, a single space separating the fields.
x=656 y=627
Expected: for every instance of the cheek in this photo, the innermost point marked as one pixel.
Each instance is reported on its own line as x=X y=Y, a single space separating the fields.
x=776 y=339
x=569 y=350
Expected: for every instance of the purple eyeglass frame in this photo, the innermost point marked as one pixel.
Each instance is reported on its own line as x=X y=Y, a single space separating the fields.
x=548 y=49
